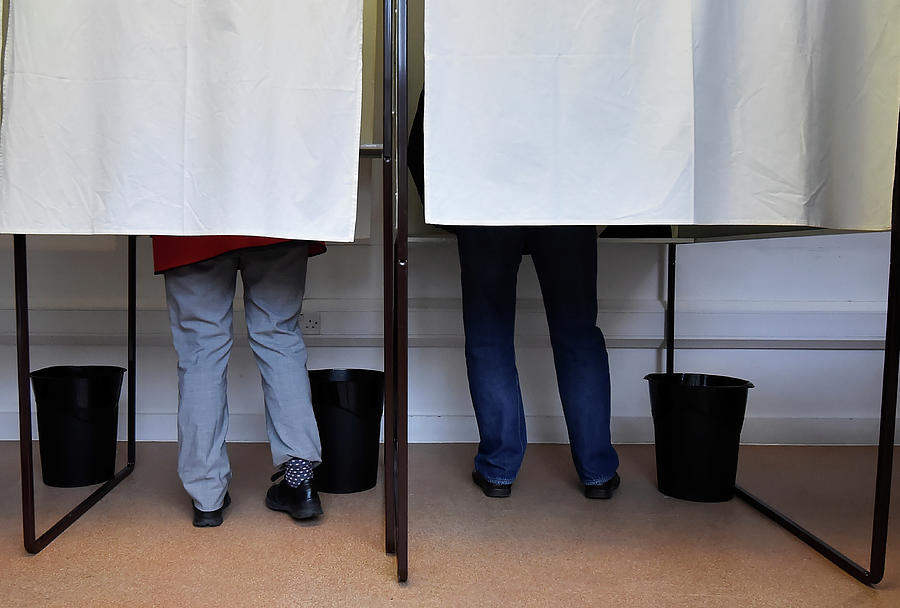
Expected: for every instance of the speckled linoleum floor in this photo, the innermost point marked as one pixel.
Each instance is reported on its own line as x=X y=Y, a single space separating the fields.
x=545 y=546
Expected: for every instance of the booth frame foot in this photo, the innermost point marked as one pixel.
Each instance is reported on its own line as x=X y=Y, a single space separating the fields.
x=33 y=543
x=884 y=472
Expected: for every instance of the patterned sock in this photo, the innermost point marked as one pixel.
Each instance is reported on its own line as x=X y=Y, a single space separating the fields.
x=296 y=471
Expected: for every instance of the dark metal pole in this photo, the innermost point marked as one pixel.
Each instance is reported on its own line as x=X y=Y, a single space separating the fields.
x=402 y=303
x=670 y=311
x=390 y=381
x=23 y=351
x=132 y=347
x=888 y=393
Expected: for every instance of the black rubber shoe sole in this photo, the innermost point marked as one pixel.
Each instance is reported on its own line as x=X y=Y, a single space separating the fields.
x=210 y=519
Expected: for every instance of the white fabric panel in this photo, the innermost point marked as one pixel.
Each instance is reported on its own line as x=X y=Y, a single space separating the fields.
x=713 y=112
x=184 y=117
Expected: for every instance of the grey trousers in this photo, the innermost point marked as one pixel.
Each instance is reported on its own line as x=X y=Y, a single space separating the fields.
x=201 y=305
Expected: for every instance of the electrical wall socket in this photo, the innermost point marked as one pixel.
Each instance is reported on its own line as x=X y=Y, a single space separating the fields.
x=309 y=322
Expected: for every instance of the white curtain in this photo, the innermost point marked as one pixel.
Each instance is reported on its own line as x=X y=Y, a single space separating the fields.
x=712 y=112
x=183 y=117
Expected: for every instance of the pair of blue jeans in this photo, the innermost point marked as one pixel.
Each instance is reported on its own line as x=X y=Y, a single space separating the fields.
x=565 y=258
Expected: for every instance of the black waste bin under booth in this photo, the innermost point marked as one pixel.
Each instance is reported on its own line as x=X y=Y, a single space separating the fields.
x=697 y=422
x=348 y=404
x=77 y=414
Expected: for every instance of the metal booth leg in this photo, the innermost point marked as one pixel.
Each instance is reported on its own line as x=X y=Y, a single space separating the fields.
x=885 y=442
x=401 y=292
x=396 y=281
x=390 y=306
x=35 y=544
x=670 y=310
x=885 y=449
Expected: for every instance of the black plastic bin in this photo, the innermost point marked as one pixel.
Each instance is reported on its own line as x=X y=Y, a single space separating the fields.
x=348 y=404
x=697 y=421
x=77 y=413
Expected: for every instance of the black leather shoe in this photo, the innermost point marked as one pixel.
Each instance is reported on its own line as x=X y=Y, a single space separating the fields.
x=604 y=490
x=492 y=490
x=301 y=502
x=210 y=519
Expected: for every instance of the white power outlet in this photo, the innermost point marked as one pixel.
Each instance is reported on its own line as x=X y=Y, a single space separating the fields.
x=309 y=323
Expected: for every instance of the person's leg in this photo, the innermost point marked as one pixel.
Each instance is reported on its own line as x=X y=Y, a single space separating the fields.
x=489 y=261
x=274 y=279
x=200 y=301
x=566 y=263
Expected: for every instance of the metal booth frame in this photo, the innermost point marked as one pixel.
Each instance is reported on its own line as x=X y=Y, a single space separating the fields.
x=396 y=286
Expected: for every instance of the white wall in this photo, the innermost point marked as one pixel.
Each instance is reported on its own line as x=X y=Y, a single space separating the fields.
x=803 y=318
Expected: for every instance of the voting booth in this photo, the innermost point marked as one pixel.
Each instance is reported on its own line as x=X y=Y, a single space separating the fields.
x=718 y=118
x=142 y=118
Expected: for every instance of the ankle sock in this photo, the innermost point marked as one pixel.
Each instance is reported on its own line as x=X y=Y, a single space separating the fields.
x=296 y=471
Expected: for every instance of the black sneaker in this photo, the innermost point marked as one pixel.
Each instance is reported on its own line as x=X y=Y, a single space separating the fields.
x=301 y=502
x=210 y=519
x=604 y=490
